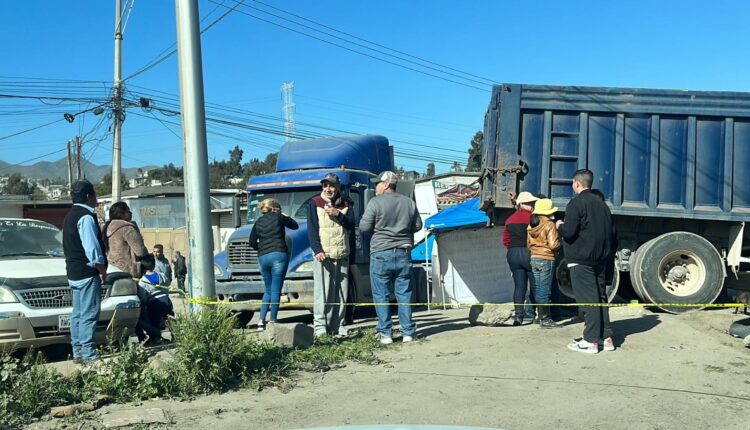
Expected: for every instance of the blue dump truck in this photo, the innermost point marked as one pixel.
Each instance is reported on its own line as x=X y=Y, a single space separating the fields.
x=672 y=165
x=300 y=166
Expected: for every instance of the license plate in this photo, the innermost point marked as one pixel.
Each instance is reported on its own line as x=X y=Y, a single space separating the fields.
x=63 y=323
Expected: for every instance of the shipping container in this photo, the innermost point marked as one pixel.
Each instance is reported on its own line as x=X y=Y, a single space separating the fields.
x=671 y=164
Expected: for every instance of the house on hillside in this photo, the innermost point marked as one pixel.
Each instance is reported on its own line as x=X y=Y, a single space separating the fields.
x=56 y=192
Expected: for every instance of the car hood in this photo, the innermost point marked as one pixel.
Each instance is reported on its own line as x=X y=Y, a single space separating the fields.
x=23 y=273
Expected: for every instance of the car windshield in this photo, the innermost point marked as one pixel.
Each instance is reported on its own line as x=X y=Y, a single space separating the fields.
x=293 y=203
x=28 y=237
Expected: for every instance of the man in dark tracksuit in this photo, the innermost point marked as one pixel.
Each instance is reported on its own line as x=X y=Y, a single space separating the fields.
x=587 y=240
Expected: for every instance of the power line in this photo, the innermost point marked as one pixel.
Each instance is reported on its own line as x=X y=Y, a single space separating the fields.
x=338 y=45
x=175 y=104
x=491 y=81
x=31 y=129
x=164 y=57
x=483 y=82
x=32 y=159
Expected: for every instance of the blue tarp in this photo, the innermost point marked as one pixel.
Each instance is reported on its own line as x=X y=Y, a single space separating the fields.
x=466 y=214
x=420 y=253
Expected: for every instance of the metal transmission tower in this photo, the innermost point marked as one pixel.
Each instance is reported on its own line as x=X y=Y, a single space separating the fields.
x=287 y=91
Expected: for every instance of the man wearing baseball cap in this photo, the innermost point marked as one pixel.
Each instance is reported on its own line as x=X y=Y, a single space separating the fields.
x=392 y=219
x=519 y=258
x=330 y=222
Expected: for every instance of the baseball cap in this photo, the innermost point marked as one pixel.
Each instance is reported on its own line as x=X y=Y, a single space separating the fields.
x=526 y=197
x=331 y=177
x=387 y=176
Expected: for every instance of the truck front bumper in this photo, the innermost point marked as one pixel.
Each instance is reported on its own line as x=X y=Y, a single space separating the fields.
x=248 y=295
x=22 y=329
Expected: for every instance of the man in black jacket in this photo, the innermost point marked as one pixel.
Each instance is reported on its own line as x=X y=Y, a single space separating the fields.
x=587 y=241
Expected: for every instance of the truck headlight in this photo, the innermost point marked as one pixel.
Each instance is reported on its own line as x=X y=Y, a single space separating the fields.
x=7 y=296
x=124 y=287
x=307 y=266
x=218 y=271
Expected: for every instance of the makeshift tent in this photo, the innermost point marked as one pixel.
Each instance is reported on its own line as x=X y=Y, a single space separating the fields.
x=471 y=263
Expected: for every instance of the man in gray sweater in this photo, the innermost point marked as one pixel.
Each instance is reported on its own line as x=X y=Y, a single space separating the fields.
x=392 y=219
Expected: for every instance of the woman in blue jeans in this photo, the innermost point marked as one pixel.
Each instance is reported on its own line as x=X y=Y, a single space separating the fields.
x=543 y=242
x=268 y=237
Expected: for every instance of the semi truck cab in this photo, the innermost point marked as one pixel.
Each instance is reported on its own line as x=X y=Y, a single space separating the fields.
x=300 y=167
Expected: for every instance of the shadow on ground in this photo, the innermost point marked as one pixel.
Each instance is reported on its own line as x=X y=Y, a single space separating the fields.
x=627 y=327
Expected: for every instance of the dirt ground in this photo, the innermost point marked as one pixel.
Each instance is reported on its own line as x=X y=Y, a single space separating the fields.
x=669 y=371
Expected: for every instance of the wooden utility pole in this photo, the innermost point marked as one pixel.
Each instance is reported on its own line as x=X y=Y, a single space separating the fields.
x=78 y=157
x=70 y=168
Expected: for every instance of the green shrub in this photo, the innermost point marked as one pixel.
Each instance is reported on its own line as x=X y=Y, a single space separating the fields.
x=124 y=377
x=28 y=389
x=210 y=356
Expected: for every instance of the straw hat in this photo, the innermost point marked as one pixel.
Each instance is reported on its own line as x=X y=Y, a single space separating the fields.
x=526 y=197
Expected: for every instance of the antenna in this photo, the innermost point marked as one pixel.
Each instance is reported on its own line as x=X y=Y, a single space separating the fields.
x=287 y=91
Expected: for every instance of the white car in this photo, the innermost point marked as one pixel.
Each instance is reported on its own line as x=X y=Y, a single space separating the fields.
x=35 y=299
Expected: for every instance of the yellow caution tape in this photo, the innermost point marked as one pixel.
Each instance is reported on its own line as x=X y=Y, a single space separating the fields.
x=213 y=301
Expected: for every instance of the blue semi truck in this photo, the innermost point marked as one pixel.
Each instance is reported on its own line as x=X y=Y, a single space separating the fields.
x=672 y=165
x=300 y=166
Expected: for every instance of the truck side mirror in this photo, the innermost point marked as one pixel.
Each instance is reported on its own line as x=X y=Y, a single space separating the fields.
x=369 y=194
x=236 y=215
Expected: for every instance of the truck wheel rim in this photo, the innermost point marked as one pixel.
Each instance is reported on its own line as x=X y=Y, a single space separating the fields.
x=682 y=273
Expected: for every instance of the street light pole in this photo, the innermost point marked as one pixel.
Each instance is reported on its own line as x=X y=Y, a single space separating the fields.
x=197 y=192
x=117 y=108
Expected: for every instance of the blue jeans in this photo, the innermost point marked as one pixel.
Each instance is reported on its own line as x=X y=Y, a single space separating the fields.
x=542 y=270
x=392 y=267
x=87 y=301
x=273 y=268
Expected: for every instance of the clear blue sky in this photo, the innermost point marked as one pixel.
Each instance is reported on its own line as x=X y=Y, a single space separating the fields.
x=662 y=44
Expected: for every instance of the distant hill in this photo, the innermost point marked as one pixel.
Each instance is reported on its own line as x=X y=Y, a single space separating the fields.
x=59 y=169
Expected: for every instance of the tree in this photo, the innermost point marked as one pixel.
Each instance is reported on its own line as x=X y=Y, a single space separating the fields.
x=430 y=170
x=234 y=166
x=456 y=167
x=17 y=185
x=256 y=167
x=104 y=188
x=474 y=163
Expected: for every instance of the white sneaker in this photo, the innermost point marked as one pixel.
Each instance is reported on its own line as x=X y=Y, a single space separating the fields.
x=261 y=327
x=407 y=339
x=584 y=347
x=385 y=340
x=343 y=332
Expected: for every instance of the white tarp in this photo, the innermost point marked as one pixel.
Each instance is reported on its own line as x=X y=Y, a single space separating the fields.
x=472 y=268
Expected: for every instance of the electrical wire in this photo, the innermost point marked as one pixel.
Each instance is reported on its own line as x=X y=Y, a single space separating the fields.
x=31 y=129
x=482 y=82
x=338 y=45
x=164 y=57
x=491 y=81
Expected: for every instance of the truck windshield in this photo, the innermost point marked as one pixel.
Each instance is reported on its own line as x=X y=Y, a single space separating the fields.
x=293 y=203
x=27 y=237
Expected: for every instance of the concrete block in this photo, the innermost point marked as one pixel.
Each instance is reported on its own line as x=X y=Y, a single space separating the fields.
x=295 y=335
x=490 y=314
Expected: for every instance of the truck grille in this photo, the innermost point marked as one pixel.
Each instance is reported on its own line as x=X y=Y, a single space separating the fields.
x=51 y=298
x=241 y=255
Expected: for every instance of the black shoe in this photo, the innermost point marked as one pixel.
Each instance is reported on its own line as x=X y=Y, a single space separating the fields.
x=517 y=323
x=549 y=323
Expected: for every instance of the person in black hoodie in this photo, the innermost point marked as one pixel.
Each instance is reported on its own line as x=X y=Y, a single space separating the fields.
x=268 y=237
x=587 y=241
